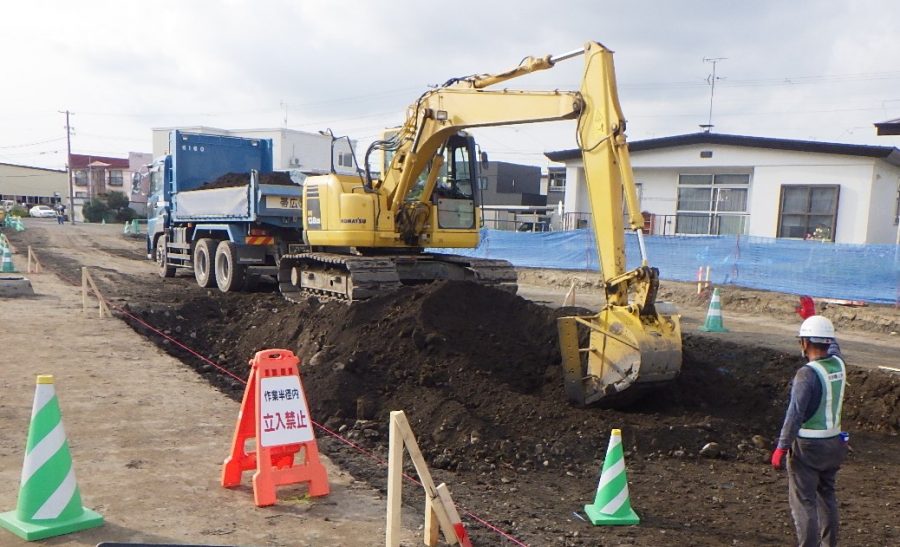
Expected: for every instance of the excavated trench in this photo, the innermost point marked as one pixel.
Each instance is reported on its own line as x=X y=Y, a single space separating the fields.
x=477 y=372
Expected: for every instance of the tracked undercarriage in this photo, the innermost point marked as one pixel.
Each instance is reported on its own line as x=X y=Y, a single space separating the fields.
x=352 y=278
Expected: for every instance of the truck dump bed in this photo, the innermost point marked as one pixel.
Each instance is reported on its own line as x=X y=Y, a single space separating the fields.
x=199 y=160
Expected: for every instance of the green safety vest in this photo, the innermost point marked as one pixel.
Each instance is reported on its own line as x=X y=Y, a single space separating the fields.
x=826 y=422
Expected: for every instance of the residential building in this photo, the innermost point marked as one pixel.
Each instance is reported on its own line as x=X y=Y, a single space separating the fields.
x=292 y=150
x=512 y=197
x=30 y=186
x=711 y=183
x=555 y=185
x=505 y=183
x=889 y=127
x=96 y=176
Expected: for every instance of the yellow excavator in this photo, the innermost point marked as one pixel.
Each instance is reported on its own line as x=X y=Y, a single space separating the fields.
x=367 y=234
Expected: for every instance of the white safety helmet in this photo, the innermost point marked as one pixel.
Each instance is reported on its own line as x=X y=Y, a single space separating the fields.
x=818 y=329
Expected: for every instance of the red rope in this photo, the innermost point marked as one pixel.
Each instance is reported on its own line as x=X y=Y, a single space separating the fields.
x=368 y=453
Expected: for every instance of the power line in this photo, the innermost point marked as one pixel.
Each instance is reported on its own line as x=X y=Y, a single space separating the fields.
x=32 y=143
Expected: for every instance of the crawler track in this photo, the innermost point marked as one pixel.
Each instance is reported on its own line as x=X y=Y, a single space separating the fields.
x=354 y=278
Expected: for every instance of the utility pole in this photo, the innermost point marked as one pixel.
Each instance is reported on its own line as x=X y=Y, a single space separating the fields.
x=285 y=107
x=69 y=166
x=711 y=80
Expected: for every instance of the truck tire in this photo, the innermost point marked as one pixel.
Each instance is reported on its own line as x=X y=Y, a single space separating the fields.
x=162 y=258
x=229 y=274
x=204 y=267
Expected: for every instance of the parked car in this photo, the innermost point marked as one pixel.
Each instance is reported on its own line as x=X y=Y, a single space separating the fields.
x=42 y=211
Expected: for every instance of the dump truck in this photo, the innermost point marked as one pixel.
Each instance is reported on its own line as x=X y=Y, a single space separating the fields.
x=216 y=208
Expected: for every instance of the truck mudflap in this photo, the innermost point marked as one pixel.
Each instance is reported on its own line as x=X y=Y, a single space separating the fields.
x=353 y=278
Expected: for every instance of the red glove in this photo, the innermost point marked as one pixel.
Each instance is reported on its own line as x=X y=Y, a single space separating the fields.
x=778 y=458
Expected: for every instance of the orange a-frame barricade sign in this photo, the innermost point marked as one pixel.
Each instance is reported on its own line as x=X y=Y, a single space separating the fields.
x=274 y=412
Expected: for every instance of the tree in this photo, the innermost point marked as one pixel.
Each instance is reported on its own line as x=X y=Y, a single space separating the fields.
x=112 y=207
x=117 y=200
x=95 y=210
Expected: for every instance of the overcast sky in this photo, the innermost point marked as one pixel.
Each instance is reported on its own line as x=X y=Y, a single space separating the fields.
x=820 y=70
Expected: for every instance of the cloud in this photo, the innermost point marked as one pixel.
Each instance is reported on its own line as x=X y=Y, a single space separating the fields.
x=125 y=67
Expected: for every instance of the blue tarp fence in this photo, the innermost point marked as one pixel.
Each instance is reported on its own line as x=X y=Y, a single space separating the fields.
x=869 y=273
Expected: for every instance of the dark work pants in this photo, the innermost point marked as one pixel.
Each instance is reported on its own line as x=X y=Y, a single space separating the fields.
x=812 y=468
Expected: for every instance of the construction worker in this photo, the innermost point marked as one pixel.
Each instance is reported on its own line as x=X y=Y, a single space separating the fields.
x=811 y=438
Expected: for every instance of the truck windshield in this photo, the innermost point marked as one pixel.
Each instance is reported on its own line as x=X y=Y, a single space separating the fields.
x=156 y=181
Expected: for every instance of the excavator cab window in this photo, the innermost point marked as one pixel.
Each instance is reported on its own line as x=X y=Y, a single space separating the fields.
x=457 y=186
x=458 y=175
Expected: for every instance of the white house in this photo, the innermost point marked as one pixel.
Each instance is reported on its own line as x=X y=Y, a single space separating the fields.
x=711 y=183
x=309 y=153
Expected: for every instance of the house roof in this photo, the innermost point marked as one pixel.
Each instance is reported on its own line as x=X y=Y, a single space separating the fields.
x=82 y=161
x=32 y=167
x=887 y=153
x=890 y=127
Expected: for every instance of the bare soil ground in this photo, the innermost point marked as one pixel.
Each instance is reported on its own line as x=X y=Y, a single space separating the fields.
x=477 y=372
x=147 y=434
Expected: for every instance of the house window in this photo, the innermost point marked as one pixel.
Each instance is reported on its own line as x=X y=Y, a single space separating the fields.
x=808 y=212
x=116 y=178
x=712 y=204
x=556 y=181
x=345 y=160
x=80 y=177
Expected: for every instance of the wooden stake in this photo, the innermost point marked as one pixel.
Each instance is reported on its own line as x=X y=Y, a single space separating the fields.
x=437 y=515
x=87 y=280
x=32 y=256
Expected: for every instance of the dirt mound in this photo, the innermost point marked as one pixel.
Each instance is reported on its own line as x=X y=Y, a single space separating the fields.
x=229 y=180
x=477 y=371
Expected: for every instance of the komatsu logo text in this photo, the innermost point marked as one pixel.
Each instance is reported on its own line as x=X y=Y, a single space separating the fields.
x=353 y=221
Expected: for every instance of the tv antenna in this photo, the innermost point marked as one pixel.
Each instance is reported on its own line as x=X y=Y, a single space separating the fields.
x=711 y=80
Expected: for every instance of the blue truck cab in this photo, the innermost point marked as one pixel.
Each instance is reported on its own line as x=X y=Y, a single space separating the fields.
x=217 y=208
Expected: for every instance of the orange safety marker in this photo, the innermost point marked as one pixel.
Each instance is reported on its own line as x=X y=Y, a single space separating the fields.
x=274 y=413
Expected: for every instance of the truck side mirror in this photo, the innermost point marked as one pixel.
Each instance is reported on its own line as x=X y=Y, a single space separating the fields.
x=136 y=182
x=484 y=160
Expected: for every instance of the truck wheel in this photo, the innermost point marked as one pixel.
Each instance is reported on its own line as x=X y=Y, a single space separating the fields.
x=229 y=274
x=204 y=254
x=162 y=258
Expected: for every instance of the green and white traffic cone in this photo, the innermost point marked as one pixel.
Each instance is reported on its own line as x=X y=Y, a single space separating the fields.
x=7 y=265
x=612 y=506
x=714 y=315
x=49 y=501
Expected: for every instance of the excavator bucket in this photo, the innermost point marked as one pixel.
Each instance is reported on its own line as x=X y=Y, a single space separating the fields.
x=607 y=358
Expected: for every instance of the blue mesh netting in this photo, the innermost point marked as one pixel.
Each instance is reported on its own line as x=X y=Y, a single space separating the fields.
x=854 y=272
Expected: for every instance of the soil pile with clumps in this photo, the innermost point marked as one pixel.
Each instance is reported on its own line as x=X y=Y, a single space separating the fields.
x=229 y=180
x=477 y=372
